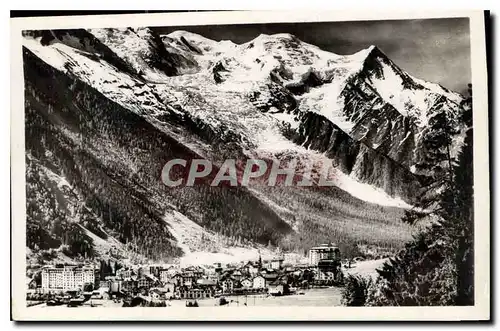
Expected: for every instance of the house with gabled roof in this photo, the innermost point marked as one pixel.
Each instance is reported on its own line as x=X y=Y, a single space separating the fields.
x=250 y=268
x=246 y=283
x=228 y=285
x=206 y=282
x=258 y=282
x=278 y=288
x=237 y=275
x=162 y=293
x=269 y=278
x=178 y=280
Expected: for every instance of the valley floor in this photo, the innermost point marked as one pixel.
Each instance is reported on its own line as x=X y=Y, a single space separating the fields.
x=366 y=268
x=314 y=297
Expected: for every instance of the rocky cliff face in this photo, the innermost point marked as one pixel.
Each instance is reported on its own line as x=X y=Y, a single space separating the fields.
x=107 y=108
x=356 y=157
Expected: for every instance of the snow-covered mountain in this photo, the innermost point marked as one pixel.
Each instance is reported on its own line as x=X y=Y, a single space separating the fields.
x=105 y=109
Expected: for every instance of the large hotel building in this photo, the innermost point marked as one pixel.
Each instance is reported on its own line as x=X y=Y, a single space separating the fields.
x=323 y=252
x=67 y=277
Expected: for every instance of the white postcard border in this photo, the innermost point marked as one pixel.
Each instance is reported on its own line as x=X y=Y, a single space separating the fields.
x=480 y=311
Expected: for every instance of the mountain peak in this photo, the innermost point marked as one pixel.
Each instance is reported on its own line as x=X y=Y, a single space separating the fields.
x=286 y=39
x=373 y=59
x=276 y=36
x=186 y=34
x=373 y=52
x=192 y=38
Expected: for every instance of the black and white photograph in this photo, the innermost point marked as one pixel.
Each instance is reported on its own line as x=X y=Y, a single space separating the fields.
x=284 y=165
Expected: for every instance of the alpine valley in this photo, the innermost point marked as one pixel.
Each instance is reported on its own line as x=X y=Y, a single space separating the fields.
x=105 y=109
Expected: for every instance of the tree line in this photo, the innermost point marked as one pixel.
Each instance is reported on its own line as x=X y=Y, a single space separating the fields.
x=436 y=268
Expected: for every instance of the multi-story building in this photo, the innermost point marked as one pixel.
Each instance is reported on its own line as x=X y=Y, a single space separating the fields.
x=164 y=276
x=167 y=273
x=259 y=282
x=67 y=278
x=326 y=276
x=290 y=259
x=247 y=283
x=277 y=263
x=124 y=273
x=129 y=284
x=228 y=285
x=323 y=252
x=194 y=293
x=147 y=281
x=250 y=268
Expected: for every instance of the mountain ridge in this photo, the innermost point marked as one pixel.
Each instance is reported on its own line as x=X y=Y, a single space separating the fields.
x=221 y=100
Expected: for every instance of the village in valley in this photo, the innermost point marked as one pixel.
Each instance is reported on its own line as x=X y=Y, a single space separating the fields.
x=110 y=283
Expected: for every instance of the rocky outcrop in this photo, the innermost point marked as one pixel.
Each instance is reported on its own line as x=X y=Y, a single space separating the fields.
x=84 y=41
x=273 y=97
x=387 y=112
x=144 y=51
x=378 y=124
x=308 y=80
x=355 y=157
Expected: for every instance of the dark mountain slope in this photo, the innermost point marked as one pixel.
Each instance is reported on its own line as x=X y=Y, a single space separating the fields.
x=113 y=158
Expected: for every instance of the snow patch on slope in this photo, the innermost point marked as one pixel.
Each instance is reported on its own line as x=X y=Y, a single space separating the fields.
x=367 y=192
x=367 y=268
x=104 y=246
x=273 y=143
x=202 y=246
x=326 y=100
x=61 y=182
x=115 y=85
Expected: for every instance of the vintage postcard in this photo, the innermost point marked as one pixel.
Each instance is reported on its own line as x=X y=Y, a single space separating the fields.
x=250 y=166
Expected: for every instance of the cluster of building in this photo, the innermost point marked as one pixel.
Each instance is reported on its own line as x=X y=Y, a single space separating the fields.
x=198 y=282
x=163 y=282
